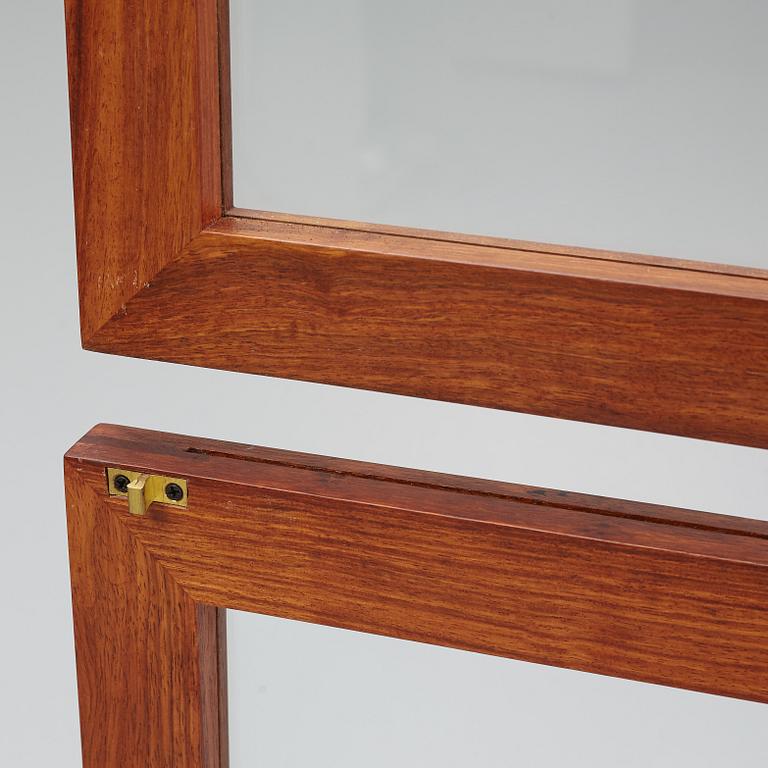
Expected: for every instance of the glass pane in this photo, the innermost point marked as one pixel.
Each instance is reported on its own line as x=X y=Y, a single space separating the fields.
x=619 y=124
x=302 y=695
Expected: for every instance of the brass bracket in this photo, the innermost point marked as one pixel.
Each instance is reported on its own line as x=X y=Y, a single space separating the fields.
x=143 y=489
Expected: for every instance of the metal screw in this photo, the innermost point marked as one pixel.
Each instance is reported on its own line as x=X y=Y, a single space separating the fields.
x=121 y=483
x=174 y=492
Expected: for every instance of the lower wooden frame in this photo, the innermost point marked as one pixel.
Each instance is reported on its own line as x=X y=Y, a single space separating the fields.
x=619 y=588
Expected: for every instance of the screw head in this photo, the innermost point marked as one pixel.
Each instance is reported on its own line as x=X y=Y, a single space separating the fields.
x=121 y=483
x=174 y=492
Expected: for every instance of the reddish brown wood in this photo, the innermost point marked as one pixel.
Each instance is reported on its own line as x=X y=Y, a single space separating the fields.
x=144 y=84
x=147 y=654
x=225 y=102
x=254 y=220
x=617 y=339
x=619 y=588
x=609 y=342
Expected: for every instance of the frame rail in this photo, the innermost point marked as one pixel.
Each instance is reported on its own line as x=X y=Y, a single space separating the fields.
x=619 y=588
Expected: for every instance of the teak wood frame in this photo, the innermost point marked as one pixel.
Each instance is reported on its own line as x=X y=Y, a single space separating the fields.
x=169 y=270
x=619 y=588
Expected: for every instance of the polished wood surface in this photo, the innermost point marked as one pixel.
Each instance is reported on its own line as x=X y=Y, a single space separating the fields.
x=169 y=271
x=631 y=590
x=144 y=90
x=147 y=654
x=633 y=345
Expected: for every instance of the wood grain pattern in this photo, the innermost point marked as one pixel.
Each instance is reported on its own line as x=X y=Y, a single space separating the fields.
x=612 y=338
x=251 y=220
x=147 y=654
x=602 y=341
x=143 y=81
x=225 y=107
x=619 y=588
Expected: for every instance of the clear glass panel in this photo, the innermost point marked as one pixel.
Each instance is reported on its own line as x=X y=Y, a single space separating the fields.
x=303 y=695
x=620 y=124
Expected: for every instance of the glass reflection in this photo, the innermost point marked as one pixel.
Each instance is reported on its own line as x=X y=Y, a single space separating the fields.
x=627 y=125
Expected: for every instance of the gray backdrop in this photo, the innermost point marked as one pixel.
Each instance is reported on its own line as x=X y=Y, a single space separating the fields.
x=300 y=695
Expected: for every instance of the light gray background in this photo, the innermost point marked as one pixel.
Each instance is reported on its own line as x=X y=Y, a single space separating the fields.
x=302 y=696
x=634 y=125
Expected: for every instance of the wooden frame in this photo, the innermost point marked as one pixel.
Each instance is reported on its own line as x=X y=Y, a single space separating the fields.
x=619 y=588
x=169 y=270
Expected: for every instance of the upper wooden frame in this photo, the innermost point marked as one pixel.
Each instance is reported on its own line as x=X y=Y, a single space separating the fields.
x=169 y=270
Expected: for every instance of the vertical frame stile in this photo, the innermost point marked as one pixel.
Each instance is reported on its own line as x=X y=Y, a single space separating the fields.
x=225 y=106
x=150 y=660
